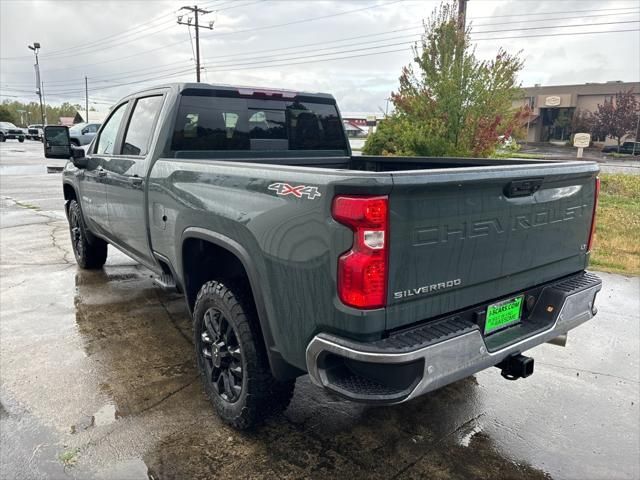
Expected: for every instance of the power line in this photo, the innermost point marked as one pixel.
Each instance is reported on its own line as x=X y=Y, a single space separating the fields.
x=550 y=13
x=100 y=41
x=405 y=43
x=278 y=58
x=311 y=19
x=298 y=47
x=311 y=59
x=162 y=47
x=175 y=72
x=416 y=26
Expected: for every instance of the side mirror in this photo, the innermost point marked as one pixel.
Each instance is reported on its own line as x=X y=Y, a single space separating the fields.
x=85 y=131
x=56 y=142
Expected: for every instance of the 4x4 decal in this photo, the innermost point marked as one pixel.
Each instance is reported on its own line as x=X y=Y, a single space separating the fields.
x=284 y=189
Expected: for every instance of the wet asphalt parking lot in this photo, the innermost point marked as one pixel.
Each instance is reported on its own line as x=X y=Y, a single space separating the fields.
x=98 y=380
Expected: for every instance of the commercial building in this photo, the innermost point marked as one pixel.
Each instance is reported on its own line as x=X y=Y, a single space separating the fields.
x=554 y=106
x=360 y=123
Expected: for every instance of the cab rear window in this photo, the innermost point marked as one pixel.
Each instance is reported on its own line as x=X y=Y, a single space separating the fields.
x=223 y=124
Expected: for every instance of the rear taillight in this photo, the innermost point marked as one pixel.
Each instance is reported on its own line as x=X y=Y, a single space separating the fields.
x=362 y=271
x=593 y=217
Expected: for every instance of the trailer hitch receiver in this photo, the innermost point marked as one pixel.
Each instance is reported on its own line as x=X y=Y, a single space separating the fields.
x=516 y=366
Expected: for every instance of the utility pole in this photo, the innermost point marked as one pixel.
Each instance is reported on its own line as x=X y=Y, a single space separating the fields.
x=462 y=15
x=35 y=47
x=86 y=98
x=196 y=11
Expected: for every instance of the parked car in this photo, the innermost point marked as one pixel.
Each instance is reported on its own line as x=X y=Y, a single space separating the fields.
x=8 y=131
x=626 y=147
x=382 y=277
x=83 y=133
x=34 y=132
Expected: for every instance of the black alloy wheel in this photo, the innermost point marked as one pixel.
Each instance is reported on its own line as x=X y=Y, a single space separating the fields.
x=221 y=355
x=75 y=228
x=89 y=253
x=232 y=359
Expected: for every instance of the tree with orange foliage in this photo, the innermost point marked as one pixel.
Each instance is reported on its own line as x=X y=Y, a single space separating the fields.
x=450 y=103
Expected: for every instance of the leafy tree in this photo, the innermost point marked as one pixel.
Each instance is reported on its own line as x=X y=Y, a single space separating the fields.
x=450 y=103
x=6 y=115
x=52 y=112
x=582 y=121
x=617 y=117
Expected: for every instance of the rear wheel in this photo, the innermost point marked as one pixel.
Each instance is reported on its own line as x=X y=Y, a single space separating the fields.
x=232 y=360
x=21 y=139
x=89 y=255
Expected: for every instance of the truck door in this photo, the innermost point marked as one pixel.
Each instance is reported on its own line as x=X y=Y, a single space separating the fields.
x=93 y=186
x=126 y=178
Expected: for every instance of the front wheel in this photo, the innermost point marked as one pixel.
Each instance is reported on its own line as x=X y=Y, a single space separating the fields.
x=21 y=139
x=89 y=255
x=232 y=359
x=2 y=138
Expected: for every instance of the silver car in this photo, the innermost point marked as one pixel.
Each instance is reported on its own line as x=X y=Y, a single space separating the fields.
x=83 y=133
x=9 y=131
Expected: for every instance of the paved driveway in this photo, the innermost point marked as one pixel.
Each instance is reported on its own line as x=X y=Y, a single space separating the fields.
x=98 y=381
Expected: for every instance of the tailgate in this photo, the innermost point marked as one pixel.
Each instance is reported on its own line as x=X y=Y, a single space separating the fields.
x=466 y=236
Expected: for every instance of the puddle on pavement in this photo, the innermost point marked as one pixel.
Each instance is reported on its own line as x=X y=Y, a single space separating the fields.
x=136 y=346
x=136 y=340
x=144 y=360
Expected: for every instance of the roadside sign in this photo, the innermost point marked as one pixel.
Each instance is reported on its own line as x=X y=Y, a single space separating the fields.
x=553 y=101
x=581 y=140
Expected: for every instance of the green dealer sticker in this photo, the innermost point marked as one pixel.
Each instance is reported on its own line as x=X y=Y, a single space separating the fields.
x=503 y=314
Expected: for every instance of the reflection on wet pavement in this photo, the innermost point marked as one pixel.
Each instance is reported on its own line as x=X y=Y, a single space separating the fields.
x=99 y=381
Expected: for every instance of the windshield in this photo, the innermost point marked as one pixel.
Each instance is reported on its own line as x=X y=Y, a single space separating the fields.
x=223 y=124
x=7 y=125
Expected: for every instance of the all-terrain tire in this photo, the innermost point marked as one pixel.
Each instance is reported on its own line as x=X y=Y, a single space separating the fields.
x=92 y=254
x=261 y=395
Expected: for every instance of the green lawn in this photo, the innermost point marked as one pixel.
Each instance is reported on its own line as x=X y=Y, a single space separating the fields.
x=617 y=241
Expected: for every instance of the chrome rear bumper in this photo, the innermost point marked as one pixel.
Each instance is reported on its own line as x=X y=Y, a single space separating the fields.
x=373 y=374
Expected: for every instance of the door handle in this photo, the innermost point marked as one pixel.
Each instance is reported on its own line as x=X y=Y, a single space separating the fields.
x=136 y=181
x=522 y=188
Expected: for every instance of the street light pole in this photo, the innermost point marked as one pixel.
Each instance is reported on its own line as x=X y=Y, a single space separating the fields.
x=86 y=98
x=35 y=47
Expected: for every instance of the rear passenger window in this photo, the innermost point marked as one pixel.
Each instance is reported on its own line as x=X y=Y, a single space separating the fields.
x=138 y=136
x=109 y=133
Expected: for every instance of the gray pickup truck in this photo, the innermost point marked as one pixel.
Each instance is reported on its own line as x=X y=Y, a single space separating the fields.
x=383 y=278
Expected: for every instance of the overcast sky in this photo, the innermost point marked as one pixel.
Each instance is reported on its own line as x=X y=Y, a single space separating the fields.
x=123 y=45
